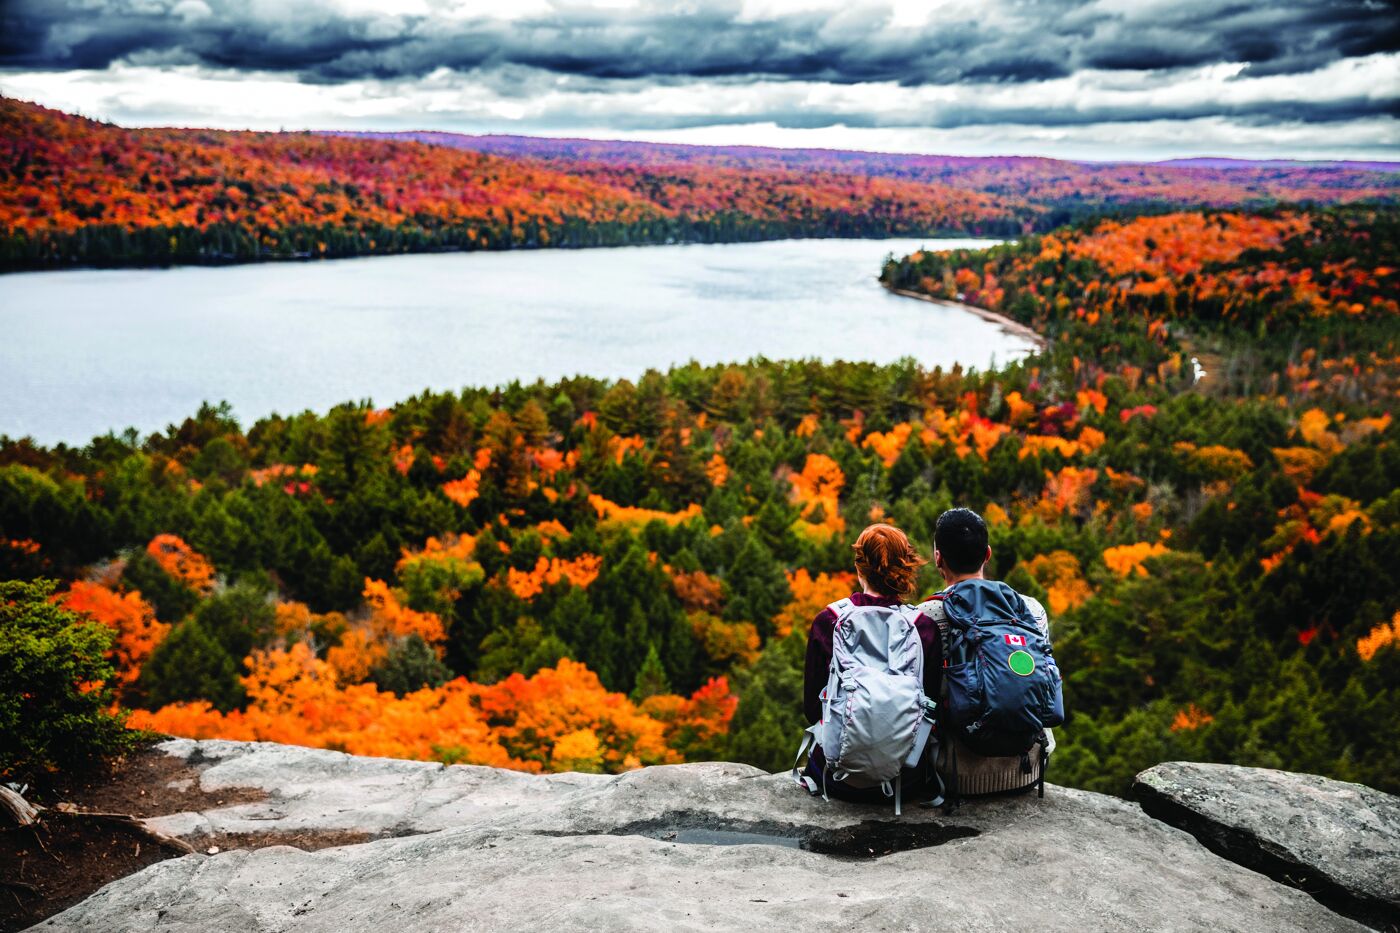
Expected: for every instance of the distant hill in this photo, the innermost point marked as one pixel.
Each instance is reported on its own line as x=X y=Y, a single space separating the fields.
x=76 y=191
x=1061 y=190
x=1210 y=162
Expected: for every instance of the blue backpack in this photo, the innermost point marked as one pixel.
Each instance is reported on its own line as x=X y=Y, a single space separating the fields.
x=1003 y=686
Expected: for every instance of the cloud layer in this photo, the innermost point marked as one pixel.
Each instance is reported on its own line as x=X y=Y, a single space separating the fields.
x=560 y=66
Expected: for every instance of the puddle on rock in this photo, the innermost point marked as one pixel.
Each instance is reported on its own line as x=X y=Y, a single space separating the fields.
x=866 y=840
x=729 y=837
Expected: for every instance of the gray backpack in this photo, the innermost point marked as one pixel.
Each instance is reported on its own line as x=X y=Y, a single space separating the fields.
x=875 y=717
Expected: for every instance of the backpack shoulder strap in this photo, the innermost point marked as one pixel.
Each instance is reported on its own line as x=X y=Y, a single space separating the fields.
x=842 y=607
x=1038 y=613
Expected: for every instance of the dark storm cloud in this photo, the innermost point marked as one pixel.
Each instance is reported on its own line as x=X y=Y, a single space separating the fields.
x=1262 y=113
x=1014 y=42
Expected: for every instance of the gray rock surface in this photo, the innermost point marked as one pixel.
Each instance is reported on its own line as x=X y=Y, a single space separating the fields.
x=577 y=852
x=1338 y=841
x=316 y=789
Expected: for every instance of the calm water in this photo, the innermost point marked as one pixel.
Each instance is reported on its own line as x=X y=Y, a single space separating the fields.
x=85 y=352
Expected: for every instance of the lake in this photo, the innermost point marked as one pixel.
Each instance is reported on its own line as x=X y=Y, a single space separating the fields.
x=88 y=351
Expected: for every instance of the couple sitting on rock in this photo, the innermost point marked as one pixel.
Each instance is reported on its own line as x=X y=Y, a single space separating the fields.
x=953 y=696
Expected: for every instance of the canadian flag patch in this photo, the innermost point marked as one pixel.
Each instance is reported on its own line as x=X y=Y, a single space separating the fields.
x=1019 y=640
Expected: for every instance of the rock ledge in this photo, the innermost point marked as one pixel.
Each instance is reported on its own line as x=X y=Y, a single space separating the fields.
x=1339 y=842
x=685 y=847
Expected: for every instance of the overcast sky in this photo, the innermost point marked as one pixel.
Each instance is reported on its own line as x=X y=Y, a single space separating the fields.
x=1109 y=79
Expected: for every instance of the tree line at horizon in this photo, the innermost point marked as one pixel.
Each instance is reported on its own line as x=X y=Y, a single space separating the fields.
x=1061 y=191
x=594 y=575
x=77 y=192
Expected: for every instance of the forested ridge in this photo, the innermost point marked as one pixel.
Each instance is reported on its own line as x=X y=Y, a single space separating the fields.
x=595 y=575
x=74 y=191
x=1051 y=192
x=78 y=192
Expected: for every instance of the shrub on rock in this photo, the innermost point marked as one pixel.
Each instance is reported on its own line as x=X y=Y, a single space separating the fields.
x=55 y=693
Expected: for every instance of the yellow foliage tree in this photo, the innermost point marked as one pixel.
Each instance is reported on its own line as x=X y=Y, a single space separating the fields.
x=1059 y=572
x=1387 y=633
x=1128 y=558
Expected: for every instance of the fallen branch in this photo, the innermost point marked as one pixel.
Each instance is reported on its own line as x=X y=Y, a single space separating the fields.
x=22 y=813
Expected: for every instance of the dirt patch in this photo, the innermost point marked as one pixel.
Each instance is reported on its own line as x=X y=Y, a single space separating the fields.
x=53 y=866
x=49 y=868
x=145 y=782
x=308 y=840
x=57 y=866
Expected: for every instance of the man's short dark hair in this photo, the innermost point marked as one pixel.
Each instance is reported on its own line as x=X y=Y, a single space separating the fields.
x=961 y=539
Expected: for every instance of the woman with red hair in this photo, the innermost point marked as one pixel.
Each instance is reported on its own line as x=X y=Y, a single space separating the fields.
x=887 y=568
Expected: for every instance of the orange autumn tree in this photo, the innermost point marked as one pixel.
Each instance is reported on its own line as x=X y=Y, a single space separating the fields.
x=612 y=515
x=693 y=725
x=1300 y=464
x=1314 y=427
x=130 y=616
x=293 y=621
x=1190 y=718
x=698 y=590
x=1383 y=635
x=889 y=445
x=531 y=716
x=580 y=571
x=1035 y=444
x=561 y=718
x=1127 y=559
x=463 y=491
x=1059 y=572
x=965 y=429
x=296 y=698
x=450 y=557
x=810 y=595
x=716 y=469
x=390 y=617
x=817 y=490
x=1311 y=519
x=366 y=641
x=1066 y=492
x=182 y=562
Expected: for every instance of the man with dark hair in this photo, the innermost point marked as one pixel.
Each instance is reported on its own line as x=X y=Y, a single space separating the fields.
x=960 y=547
x=961 y=552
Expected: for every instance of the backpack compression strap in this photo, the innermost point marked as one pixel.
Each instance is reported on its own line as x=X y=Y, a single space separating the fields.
x=810 y=735
x=809 y=739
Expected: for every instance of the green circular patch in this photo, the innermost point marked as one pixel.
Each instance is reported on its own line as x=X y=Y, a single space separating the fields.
x=1021 y=663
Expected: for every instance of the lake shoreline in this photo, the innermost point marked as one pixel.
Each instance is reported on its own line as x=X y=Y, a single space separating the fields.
x=1013 y=327
x=226 y=260
x=93 y=350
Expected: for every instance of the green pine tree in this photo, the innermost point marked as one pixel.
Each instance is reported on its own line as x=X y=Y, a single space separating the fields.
x=651 y=679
